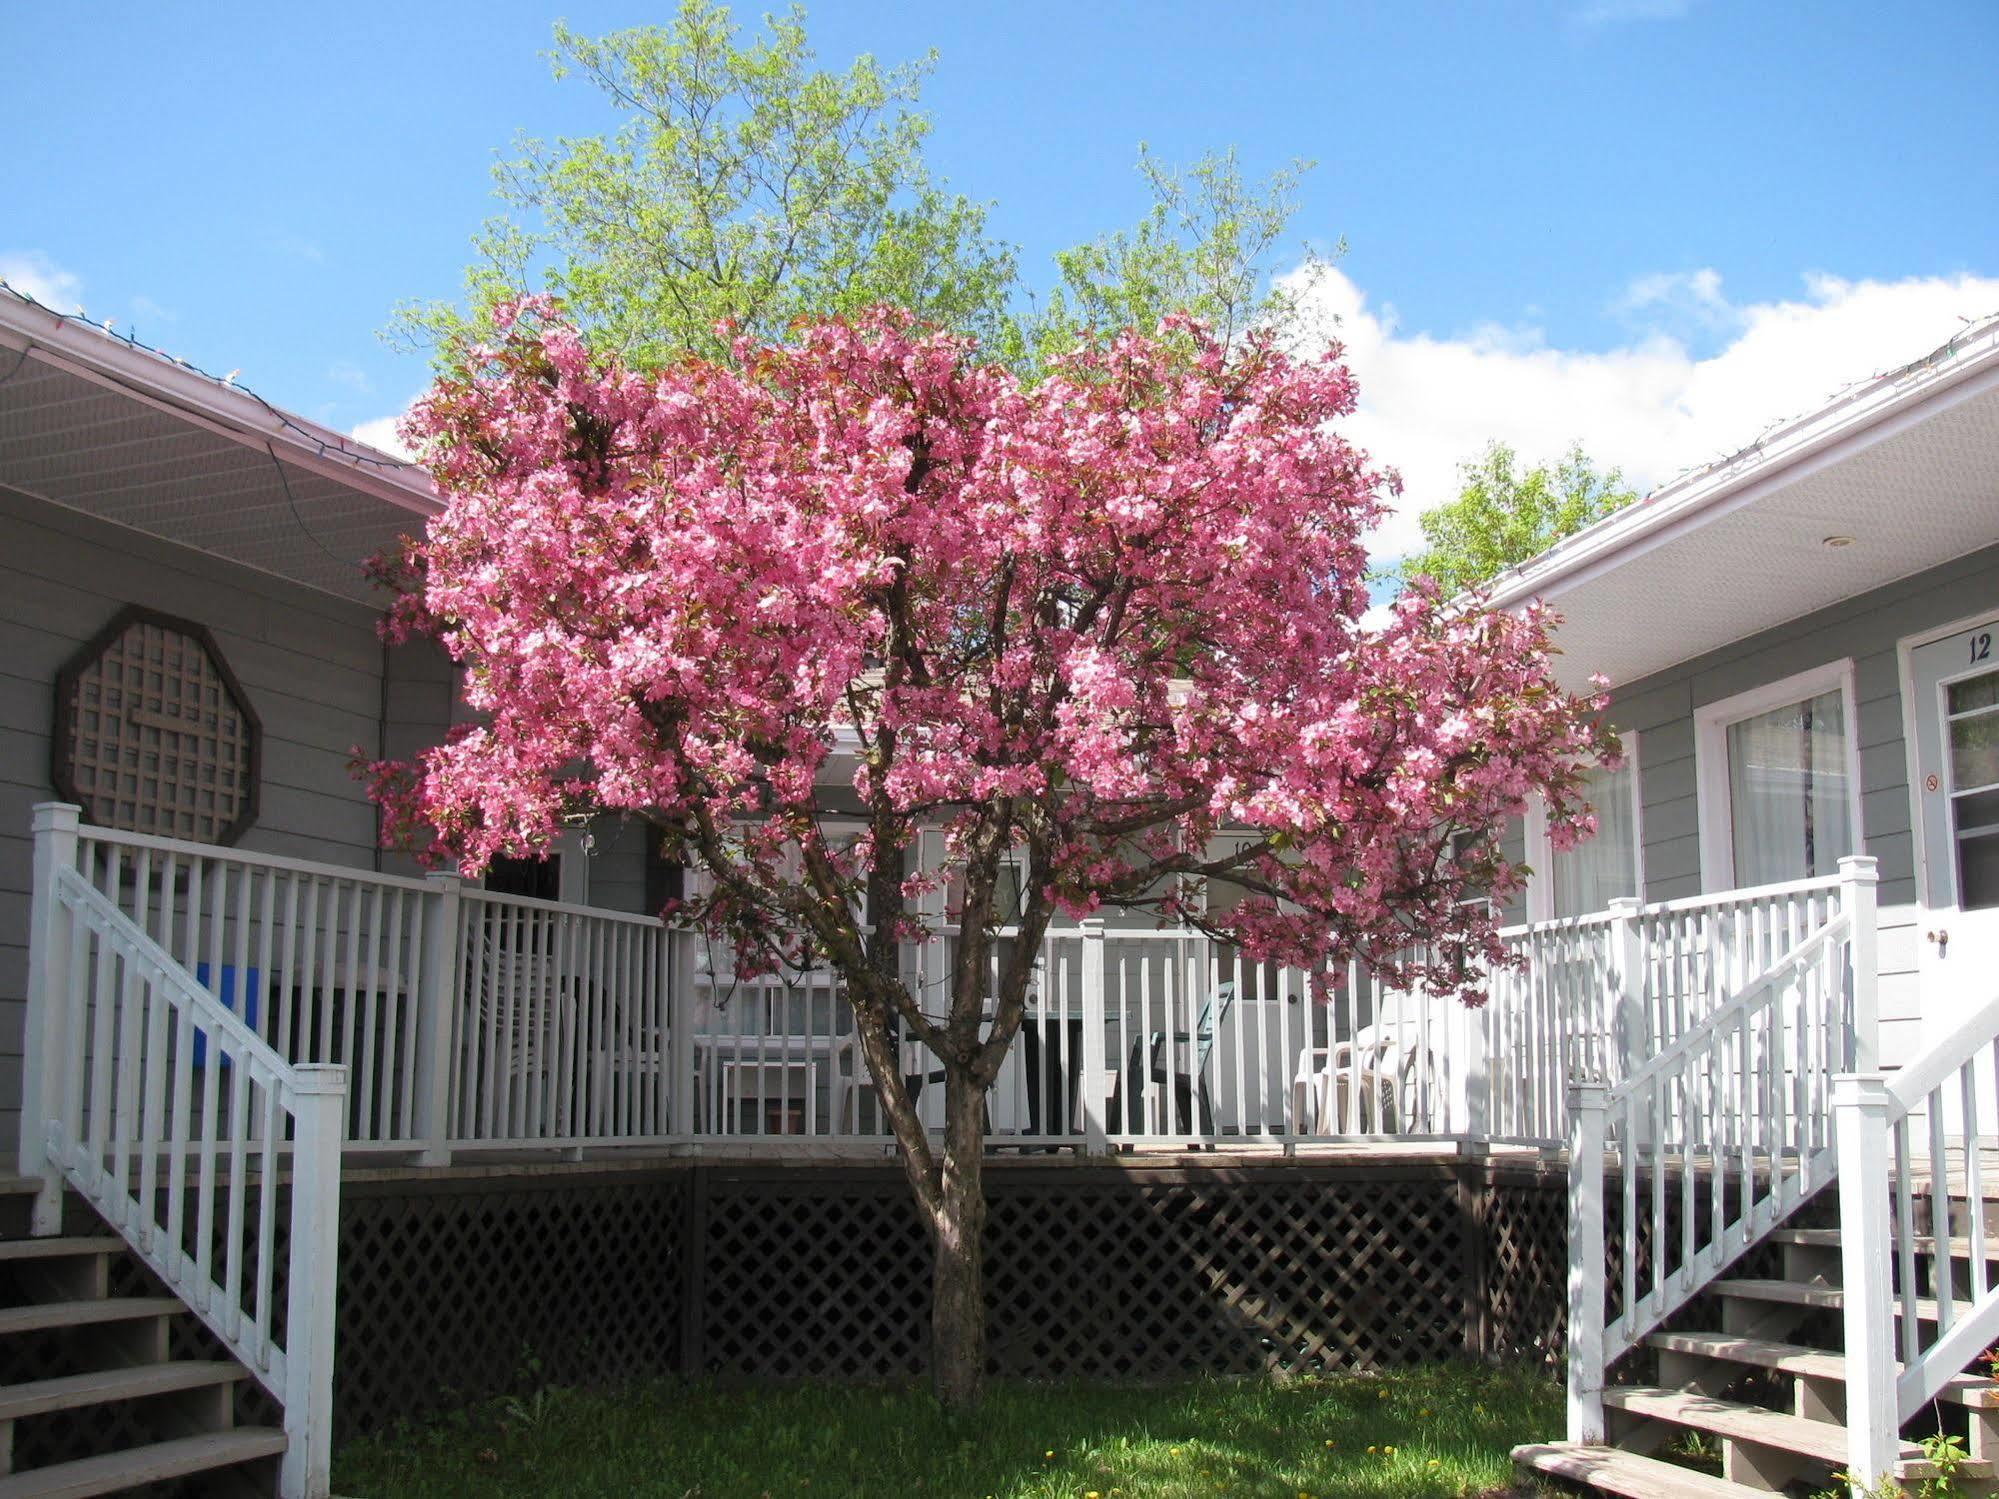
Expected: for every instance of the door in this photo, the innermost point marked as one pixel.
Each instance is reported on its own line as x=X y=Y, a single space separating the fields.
x=1956 y=684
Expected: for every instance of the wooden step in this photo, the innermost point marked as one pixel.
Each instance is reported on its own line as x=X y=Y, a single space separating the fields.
x=1760 y=1353
x=1820 y=1298
x=110 y=1472
x=59 y=1247
x=50 y=1314
x=1611 y=1470
x=1821 y=1441
x=1828 y=1238
x=1811 y=1363
x=102 y=1386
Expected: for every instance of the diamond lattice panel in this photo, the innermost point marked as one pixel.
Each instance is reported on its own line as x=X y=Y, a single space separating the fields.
x=449 y=1294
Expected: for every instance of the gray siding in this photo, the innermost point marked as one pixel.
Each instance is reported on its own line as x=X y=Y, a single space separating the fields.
x=310 y=663
x=1866 y=628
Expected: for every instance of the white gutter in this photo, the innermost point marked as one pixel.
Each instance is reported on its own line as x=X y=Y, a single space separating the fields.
x=1966 y=367
x=158 y=381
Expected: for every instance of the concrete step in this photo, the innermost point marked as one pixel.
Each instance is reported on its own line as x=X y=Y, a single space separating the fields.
x=60 y=1247
x=110 y=1472
x=1820 y=1441
x=52 y=1314
x=102 y=1386
x=1611 y=1470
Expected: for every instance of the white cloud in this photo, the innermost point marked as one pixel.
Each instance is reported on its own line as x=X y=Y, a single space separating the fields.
x=298 y=246
x=380 y=434
x=346 y=372
x=1651 y=406
x=1614 y=12
x=34 y=274
x=1694 y=296
x=144 y=306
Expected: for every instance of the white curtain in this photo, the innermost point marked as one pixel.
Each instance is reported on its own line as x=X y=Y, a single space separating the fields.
x=1599 y=870
x=1787 y=792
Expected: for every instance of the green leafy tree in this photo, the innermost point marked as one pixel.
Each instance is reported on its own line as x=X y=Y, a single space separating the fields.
x=747 y=186
x=1503 y=516
x=744 y=185
x=1205 y=247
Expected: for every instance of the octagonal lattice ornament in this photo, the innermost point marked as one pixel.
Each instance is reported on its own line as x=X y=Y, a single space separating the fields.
x=154 y=734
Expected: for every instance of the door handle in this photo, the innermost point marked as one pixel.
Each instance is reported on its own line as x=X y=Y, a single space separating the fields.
x=1941 y=938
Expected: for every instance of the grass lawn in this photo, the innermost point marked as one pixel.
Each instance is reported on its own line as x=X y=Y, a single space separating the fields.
x=1441 y=1431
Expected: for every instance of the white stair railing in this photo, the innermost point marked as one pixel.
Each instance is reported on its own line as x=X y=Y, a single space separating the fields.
x=1712 y=1141
x=1912 y=1162
x=202 y=1147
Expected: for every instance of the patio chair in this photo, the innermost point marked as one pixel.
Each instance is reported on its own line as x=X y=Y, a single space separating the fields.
x=918 y=1065
x=1165 y=1059
x=1385 y=1080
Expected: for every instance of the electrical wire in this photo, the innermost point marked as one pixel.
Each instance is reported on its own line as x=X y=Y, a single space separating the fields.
x=298 y=515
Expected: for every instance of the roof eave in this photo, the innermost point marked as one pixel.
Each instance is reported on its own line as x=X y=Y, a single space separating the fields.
x=1866 y=414
x=160 y=382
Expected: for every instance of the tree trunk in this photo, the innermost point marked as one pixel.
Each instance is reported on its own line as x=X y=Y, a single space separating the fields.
x=957 y=1230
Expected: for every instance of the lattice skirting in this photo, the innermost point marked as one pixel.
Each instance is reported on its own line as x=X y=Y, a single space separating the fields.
x=456 y=1289
x=459 y=1286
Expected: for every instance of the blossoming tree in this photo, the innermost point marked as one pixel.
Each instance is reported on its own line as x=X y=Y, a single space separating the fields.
x=1110 y=621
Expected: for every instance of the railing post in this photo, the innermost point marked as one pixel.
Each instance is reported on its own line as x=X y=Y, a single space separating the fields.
x=1587 y=1104
x=1471 y=1080
x=438 y=1004
x=1630 y=1025
x=319 y=1103
x=1860 y=1127
x=1858 y=881
x=680 y=1037
x=51 y=1004
x=1095 y=1134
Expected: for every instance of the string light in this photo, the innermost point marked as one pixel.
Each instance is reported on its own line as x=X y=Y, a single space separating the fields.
x=108 y=329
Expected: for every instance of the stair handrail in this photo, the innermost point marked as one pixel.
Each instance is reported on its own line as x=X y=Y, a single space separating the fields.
x=1935 y=1109
x=1745 y=1094
x=130 y=1059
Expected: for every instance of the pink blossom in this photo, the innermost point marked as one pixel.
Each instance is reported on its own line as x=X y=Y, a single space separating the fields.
x=1114 y=615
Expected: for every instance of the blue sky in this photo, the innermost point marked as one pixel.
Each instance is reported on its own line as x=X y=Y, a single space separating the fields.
x=1647 y=224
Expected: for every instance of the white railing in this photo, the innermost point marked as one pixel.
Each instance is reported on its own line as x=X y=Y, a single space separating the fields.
x=562 y=1017
x=1714 y=1137
x=322 y=964
x=1912 y=1163
x=192 y=1138
x=475 y=1021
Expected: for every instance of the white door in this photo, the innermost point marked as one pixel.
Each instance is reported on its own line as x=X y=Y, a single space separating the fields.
x=1957 y=768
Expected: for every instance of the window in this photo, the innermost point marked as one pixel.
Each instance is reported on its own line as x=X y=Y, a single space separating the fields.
x=1779 y=781
x=537 y=879
x=1605 y=867
x=1971 y=710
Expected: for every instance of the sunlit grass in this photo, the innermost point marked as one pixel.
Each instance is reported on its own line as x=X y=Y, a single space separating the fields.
x=1440 y=1431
